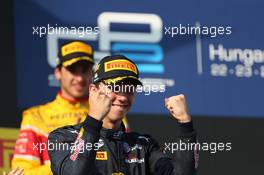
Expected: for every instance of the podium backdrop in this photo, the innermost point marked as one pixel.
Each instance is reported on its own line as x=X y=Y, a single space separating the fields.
x=211 y=51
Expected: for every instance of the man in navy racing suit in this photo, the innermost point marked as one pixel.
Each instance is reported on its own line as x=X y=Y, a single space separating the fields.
x=100 y=144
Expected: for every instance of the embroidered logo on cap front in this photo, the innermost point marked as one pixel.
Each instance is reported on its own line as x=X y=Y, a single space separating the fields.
x=118 y=173
x=120 y=65
x=75 y=47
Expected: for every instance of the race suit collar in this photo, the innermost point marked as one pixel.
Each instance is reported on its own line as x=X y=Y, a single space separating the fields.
x=113 y=134
x=70 y=103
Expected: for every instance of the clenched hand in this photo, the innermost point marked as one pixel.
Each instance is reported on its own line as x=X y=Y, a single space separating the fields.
x=178 y=108
x=100 y=101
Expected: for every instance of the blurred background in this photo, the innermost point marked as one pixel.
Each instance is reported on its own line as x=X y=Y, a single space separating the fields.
x=220 y=69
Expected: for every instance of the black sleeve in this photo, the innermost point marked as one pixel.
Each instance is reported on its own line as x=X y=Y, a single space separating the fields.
x=177 y=161
x=78 y=160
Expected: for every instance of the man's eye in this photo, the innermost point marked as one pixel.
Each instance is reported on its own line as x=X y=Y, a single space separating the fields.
x=85 y=69
x=72 y=70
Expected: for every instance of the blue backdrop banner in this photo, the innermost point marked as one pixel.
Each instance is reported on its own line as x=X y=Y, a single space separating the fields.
x=211 y=52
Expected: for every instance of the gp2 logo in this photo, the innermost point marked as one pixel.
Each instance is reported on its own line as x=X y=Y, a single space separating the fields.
x=141 y=47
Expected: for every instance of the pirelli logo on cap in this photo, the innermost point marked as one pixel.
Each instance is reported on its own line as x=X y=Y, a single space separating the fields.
x=120 y=65
x=75 y=47
x=101 y=155
x=118 y=173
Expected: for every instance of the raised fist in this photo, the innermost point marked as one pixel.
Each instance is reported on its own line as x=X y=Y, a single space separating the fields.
x=100 y=102
x=178 y=108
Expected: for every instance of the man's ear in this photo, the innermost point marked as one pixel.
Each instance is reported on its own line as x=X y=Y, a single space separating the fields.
x=57 y=73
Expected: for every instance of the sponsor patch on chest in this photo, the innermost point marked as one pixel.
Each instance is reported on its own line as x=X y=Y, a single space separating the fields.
x=101 y=155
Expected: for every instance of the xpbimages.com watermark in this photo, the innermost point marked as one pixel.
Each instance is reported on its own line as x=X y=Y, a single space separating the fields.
x=50 y=29
x=212 y=147
x=78 y=145
x=212 y=31
x=129 y=88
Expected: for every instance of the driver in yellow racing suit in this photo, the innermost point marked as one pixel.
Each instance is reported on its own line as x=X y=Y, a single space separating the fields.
x=70 y=107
